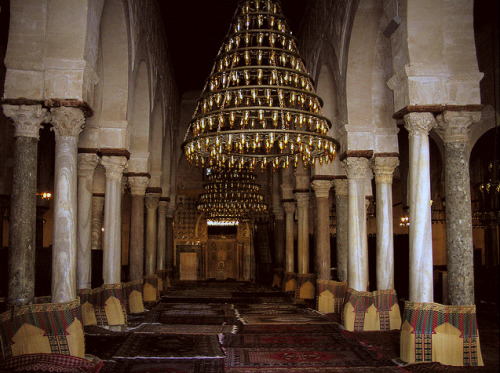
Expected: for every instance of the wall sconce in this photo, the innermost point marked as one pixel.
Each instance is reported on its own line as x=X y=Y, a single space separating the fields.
x=45 y=195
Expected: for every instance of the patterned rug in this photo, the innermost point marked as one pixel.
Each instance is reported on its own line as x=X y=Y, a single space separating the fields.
x=283 y=328
x=284 y=319
x=169 y=346
x=315 y=370
x=49 y=363
x=197 y=320
x=172 y=366
x=185 y=329
x=335 y=340
x=104 y=346
x=277 y=311
x=437 y=367
x=383 y=342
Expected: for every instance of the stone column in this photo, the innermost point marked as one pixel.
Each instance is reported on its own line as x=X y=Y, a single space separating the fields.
x=87 y=163
x=418 y=126
x=112 y=244
x=322 y=191
x=453 y=127
x=169 y=256
x=67 y=124
x=302 y=199
x=22 y=230
x=97 y=215
x=138 y=185
x=357 y=262
x=162 y=234
x=289 y=254
x=152 y=200
x=279 y=239
x=384 y=167
x=341 y=207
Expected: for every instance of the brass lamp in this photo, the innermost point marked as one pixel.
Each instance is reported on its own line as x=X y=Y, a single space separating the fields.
x=258 y=106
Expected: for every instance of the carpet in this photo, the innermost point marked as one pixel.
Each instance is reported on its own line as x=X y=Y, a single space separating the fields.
x=277 y=311
x=169 y=346
x=317 y=357
x=49 y=363
x=383 y=342
x=104 y=346
x=283 y=328
x=335 y=340
x=438 y=367
x=167 y=366
x=315 y=370
x=284 y=319
x=198 y=320
x=185 y=329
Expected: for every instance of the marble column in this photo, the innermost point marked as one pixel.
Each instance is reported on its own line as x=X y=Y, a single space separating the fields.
x=67 y=124
x=138 y=185
x=97 y=215
x=22 y=230
x=323 y=261
x=279 y=236
x=112 y=245
x=453 y=127
x=169 y=255
x=302 y=199
x=357 y=261
x=421 y=285
x=152 y=200
x=384 y=167
x=289 y=207
x=87 y=163
x=162 y=232
x=341 y=208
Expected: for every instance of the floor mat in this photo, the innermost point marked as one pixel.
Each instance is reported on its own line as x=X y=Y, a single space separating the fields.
x=155 y=365
x=284 y=328
x=169 y=346
x=185 y=329
x=284 y=319
x=104 y=346
x=284 y=340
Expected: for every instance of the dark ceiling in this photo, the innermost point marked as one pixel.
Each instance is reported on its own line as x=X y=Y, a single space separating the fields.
x=195 y=30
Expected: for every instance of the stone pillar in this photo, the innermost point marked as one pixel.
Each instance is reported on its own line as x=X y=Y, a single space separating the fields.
x=453 y=127
x=289 y=206
x=162 y=234
x=418 y=126
x=357 y=273
x=87 y=163
x=302 y=199
x=112 y=244
x=97 y=215
x=169 y=255
x=384 y=167
x=152 y=200
x=138 y=185
x=279 y=241
x=341 y=207
x=323 y=261
x=22 y=230
x=67 y=124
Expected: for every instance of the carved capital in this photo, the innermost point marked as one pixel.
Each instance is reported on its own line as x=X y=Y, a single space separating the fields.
x=384 y=167
x=27 y=119
x=341 y=187
x=163 y=207
x=419 y=123
x=289 y=207
x=138 y=185
x=453 y=126
x=279 y=212
x=322 y=188
x=67 y=121
x=114 y=167
x=152 y=200
x=302 y=199
x=87 y=162
x=357 y=168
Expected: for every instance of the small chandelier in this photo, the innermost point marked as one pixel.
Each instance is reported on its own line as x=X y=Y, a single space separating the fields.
x=231 y=195
x=258 y=106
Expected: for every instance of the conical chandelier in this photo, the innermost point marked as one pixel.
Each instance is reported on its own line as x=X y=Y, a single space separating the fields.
x=231 y=195
x=258 y=106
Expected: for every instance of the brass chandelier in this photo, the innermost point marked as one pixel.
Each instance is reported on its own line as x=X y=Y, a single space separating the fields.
x=231 y=195
x=258 y=106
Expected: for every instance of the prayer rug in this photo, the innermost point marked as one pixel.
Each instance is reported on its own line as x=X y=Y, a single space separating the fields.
x=438 y=367
x=284 y=328
x=284 y=319
x=383 y=342
x=185 y=329
x=335 y=340
x=49 y=363
x=104 y=346
x=164 y=366
x=317 y=357
x=316 y=370
x=169 y=346
x=98 y=330
x=278 y=311
x=198 y=320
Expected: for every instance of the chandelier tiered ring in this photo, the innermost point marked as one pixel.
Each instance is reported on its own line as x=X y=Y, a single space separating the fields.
x=258 y=106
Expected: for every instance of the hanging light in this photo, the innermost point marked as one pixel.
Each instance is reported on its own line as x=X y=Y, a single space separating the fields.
x=258 y=106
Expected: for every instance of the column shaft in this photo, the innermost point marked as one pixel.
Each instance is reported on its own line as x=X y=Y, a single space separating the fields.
x=152 y=200
x=162 y=231
x=138 y=185
x=323 y=257
x=289 y=225
x=341 y=208
x=302 y=232
x=169 y=256
x=97 y=215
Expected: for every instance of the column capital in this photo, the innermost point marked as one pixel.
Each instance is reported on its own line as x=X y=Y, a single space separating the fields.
x=322 y=188
x=419 y=123
x=383 y=168
x=27 y=119
x=87 y=162
x=357 y=167
x=114 y=166
x=163 y=207
x=289 y=207
x=302 y=199
x=453 y=126
x=138 y=185
x=67 y=121
x=278 y=212
x=152 y=200
x=341 y=187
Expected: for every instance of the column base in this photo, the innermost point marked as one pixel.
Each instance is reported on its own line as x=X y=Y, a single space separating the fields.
x=289 y=282
x=133 y=292
x=305 y=286
x=278 y=277
x=444 y=334
x=150 y=289
x=330 y=296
